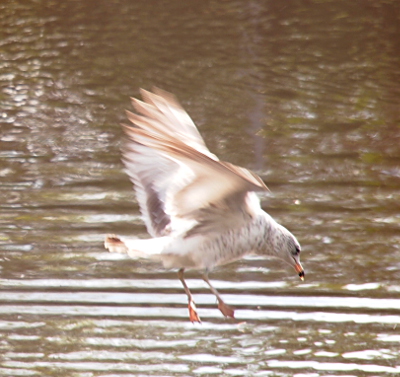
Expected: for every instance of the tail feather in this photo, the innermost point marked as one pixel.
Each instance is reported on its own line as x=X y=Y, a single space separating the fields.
x=134 y=247
x=114 y=244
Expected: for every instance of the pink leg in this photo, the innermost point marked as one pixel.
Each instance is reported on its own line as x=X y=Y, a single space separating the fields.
x=225 y=309
x=193 y=316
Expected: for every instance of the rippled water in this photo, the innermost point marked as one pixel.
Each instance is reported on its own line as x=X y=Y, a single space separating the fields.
x=303 y=92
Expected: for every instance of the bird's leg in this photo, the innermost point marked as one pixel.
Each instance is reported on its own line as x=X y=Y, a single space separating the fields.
x=193 y=316
x=225 y=309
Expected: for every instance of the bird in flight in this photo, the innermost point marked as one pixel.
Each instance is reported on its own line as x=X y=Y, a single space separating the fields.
x=200 y=212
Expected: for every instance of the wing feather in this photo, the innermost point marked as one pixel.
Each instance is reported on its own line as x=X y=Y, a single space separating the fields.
x=176 y=177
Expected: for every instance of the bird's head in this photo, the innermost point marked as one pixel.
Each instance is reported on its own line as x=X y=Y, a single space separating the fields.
x=287 y=248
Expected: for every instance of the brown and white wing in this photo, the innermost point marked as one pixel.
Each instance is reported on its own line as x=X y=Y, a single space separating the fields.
x=161 y=113
x=176 y=177
x=151 y=172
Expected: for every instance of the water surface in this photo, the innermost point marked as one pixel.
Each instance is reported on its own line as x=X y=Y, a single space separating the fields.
x=303 y=92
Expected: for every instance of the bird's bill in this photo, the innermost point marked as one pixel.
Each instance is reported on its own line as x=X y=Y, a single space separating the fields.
x=299 y=269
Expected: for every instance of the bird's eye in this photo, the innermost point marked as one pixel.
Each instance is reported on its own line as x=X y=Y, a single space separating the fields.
x=297 y=252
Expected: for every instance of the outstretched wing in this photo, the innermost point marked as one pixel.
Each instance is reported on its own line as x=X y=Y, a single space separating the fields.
x=177 y=178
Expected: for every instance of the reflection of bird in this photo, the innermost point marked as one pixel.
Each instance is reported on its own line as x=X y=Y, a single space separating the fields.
x=200 y=211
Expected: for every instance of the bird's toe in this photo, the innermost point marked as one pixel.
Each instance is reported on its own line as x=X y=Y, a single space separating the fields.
x=226 y=310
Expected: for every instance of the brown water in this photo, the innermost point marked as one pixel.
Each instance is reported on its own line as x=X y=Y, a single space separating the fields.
x=304 y=92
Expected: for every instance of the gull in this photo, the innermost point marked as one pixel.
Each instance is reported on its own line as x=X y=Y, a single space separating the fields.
x=201 y=212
